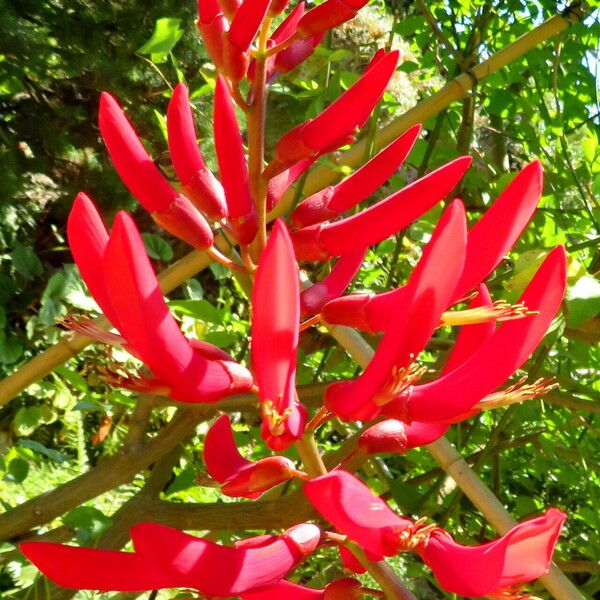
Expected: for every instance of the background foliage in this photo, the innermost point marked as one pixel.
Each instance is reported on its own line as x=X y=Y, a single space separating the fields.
x=58 y=55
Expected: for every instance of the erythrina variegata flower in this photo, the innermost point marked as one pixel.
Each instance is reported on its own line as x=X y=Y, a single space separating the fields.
x=119 y=275
x=488 y=242
x=240 y=477
x=521 y=555
x=339 y=589
x=275 y=320
x=168 y=558
x=168 y=208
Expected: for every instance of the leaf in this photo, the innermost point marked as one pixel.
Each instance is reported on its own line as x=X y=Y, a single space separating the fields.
x=199 y=309
x=589 y=145
x=26 y=262
x=41 y=449
x=27 y=419
x=583 y=300
x=167 y=32
x=11 y=349
x=157 y=248
x=88 y=522
x=18 y=470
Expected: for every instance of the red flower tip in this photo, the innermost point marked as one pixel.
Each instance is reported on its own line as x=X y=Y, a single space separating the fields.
x=328 y=15
x=429 y=289
x=247 y=21
x=217 y=570
x=338 y=123
x=333 y=285
x=500 y=227
x=380 y=221
x=453 y=396
x=352 y=563
x=230 y=7
x=183 y=220
x=277 y=7
x=351 y=507
x=232 y=166
x=334 y=200
x=238 y=476
x=130 y=158
x=198 y=182
x=521 y=555
x=275 y=339
x=347 y=588
x=212 y=26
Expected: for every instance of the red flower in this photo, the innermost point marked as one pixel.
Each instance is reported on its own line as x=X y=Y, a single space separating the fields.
x=171 y=210
x=521 y=555
x=328 y=15
x=232 y=166
x=313 y=298
x=275 y=317
x=120 y=276
x=334 y=200
x=488 y=242
x=339 y=589
x=240 y=477
x=281 y=183
x=168 y=558
x=213 y=26
x=378 y=222
x=463 y=391
x=198 y=182
x=338 y=123
x=428 y=291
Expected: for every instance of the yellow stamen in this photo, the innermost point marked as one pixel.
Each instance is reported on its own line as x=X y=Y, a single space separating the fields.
x=412 y=537
x=400 y=379
x=518 y=392
x=499 y=311
x=513 y=593
x=275 y=420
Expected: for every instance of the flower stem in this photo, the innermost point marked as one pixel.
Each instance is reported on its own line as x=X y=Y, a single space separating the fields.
x=256 y=137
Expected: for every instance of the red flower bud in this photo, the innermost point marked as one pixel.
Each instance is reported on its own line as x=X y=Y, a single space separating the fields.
x=328 y=15
x=232 y=166
x=212 y=26
x=201 y=186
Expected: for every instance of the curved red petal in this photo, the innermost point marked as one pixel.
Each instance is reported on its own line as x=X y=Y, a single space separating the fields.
x=258 y=477
x=521 y=555
x=232 y=165
x=281 y=183
x=381 y=220
x=88 y=239
x=358 y=186
x=333 y=285
x=500 y=356
x=350 y=506
x=284 y=589
x=501 y=226
x=217 y=570
x=99 y=570
x=130 y=158
x=328 y=15
x=427 y=294
x=246 y=22
x=221 y=455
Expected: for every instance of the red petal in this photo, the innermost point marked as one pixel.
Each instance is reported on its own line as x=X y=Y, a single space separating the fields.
x=150 y=329
x=246 y=23
x=281 y=183
x=500 y=356
x=100 y=570
x=183 y=220
x=328 y=15
x=221 y=455
x=521 y=555
x=132 y=162
x=501 y=226
x=276 y=313
x=428 y=292
x=380 y=221
x=298 y=52
x=340 y=119
x=212 y=25
x=232 y=165
x=317 y=295
x=471 y=337
x=258 y=477
x=350 y=506
x=230 y=7
x=284 y=589
x=88 y=239
x=217 y=570
x=199 y=183
x=360 y=185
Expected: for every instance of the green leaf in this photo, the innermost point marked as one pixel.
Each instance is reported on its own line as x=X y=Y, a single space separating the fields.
x=589 y=146
x=11 y=349
x=73 y=377
x=17 y=470
x=583 y=300
x=88 y=522
x=27 y=420
x=199 y=309
x=41 y=449
x=167 y=32
x=157 y=248
x=26 y=262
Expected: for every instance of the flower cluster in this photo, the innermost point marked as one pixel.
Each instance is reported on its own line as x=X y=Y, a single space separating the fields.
x=395 y=411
